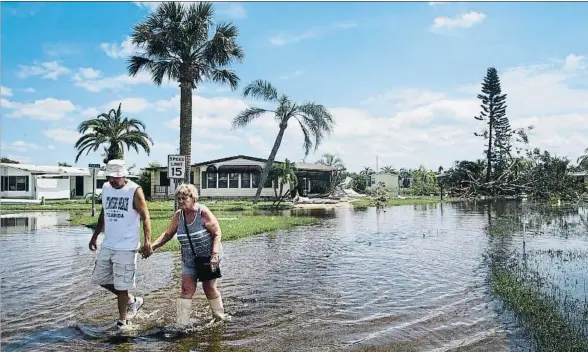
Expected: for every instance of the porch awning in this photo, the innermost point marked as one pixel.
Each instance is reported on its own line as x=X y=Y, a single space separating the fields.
x=240 y=168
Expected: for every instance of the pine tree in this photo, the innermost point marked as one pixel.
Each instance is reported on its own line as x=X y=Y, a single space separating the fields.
x=493 y=113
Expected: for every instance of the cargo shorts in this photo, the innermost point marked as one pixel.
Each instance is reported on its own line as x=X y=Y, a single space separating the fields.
x=115 y=267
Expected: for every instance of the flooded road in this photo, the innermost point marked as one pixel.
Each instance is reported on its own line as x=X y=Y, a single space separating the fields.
x=407 y=278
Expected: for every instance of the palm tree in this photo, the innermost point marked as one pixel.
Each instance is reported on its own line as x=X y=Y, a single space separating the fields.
x=388 y=169
x=314 y=120
x=282 y=174
x=176 y=44
x=114 y=131
x=331 y=160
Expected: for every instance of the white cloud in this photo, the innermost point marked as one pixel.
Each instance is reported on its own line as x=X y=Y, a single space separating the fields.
x=51 y=147
x=129 y=105
x=91 y=113
x=435 y=3
x=44 y=109
x=19 y=146
x=573 y=62
x=29 y=90
x=5 y=91
x=282 y=39
x=465 y=20
x=210 y=113
x=122 y=50
x=86 y=73
x=294 y=74
x=62 y=135
x=232 y=10
x=46 y=70
x=117 y=83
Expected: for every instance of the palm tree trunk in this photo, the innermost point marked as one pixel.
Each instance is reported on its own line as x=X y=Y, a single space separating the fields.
x=270 y=161
x=186 y=125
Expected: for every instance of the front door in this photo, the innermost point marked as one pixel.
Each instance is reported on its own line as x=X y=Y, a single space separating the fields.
x=79 y=186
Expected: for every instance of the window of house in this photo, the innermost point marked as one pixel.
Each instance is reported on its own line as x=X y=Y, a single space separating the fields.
x=223 y=180
x=15 y=183
x=100 y=183
x=255 y=180
x=192 y=177
x=163 y=180
x=203 y=178
x=233 y=180
x=211 y=179
x=245 y=180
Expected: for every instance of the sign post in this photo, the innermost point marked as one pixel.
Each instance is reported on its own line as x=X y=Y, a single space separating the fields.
x=93 y=167
x=176 y=170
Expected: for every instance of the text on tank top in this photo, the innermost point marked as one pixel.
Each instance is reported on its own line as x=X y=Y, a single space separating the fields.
x=199 y=235
x=121 y=220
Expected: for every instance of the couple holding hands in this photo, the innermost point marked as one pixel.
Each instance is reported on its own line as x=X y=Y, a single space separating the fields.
x=197 y=229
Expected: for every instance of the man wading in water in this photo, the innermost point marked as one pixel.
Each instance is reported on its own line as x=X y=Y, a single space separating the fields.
x=123 y=206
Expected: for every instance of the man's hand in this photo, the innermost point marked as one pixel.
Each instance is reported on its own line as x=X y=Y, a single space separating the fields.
x=92 y=244
x=146 y=250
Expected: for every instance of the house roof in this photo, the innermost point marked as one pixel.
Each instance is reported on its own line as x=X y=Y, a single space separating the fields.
x=315 y=167
x=300 y=166
x=55 y=170
x=385 y=173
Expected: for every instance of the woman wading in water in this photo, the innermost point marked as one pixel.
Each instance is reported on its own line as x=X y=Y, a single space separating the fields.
x=199 y=234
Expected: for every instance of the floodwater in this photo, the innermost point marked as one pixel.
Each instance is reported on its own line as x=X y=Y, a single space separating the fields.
x=405 y=278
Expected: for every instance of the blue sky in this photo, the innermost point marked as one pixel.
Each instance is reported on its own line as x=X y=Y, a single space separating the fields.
x=400 y=79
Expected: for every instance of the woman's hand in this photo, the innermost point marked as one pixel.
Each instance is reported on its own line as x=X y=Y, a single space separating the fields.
x=214 y=262
x=146 y=250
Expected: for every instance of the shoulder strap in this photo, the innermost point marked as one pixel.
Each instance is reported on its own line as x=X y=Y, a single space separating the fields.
x=188 y=233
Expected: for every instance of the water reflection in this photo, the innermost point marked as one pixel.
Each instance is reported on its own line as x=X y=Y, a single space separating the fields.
x=31 y=221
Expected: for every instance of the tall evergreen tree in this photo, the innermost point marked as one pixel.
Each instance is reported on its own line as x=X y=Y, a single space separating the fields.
x=497 y=129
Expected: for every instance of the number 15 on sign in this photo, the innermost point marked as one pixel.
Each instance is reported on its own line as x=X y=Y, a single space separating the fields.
x=176 y=166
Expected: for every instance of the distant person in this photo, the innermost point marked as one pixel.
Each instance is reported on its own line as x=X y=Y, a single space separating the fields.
x=199 y=234
x=123 y=206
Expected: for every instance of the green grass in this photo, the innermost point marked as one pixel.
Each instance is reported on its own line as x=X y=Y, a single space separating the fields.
x=539 y=314
x=233 y=226
x=79 y=205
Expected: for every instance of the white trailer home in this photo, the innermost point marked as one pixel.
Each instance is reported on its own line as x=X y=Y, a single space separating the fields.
x=28 y=181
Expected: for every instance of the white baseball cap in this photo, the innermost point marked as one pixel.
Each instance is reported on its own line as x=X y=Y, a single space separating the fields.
x=116 y=168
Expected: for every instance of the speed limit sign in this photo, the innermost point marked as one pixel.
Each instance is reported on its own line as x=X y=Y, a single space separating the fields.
x=176 y=166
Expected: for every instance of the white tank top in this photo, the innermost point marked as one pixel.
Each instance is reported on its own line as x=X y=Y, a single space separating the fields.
x=121 y=220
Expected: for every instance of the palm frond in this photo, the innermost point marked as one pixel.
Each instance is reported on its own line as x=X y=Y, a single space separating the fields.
x=246 y=116
x=138 y=63
x=225 y=76
x=307 y=142
x=261 y=89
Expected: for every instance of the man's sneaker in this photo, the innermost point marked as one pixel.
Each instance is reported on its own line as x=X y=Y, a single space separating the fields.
x=133 y=307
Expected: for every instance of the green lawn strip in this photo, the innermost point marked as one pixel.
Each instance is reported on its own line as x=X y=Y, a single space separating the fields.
x=550 y=329
x=233 y=226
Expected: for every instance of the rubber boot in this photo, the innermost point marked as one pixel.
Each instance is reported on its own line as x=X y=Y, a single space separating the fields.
x=183 y=307
x=216 y=304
